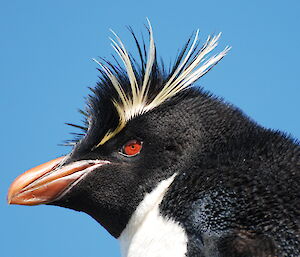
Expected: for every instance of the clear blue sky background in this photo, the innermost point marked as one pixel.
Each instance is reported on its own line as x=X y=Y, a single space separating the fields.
x=45 y=68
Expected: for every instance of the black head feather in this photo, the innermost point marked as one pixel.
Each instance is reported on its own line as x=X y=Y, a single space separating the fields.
x=101 y=114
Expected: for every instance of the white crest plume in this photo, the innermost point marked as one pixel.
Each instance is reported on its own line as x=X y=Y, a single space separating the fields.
x=187 y=72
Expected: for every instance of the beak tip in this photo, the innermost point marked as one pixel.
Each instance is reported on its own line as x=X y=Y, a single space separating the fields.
x=12 y=193
x=16 y=193
x=16 y=200
x=9 y=197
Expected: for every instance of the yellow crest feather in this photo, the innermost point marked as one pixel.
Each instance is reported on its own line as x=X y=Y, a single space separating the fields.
x=137 y=103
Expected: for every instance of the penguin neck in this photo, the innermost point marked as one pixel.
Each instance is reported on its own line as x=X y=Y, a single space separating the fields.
x=146 y=228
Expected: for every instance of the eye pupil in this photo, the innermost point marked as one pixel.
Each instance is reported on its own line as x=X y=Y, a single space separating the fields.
x=132 y=147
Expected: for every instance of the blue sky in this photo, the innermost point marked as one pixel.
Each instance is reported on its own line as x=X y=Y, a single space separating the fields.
x=46 y=49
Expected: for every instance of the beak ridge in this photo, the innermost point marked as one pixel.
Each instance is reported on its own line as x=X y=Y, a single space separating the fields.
x=46 y=182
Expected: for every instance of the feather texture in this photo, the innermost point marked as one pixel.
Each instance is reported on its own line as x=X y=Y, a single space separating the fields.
x=132 y=89
x=191 y=67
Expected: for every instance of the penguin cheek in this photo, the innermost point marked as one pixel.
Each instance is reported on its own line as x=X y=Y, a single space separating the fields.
x=102 y=188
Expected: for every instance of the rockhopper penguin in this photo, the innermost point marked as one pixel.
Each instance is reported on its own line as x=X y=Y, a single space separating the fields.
x=171 y=170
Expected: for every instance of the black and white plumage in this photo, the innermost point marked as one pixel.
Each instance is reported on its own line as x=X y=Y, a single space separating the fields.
x=171 y=170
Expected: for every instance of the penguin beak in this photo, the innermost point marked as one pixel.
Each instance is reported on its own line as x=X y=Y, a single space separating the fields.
x=49 y=181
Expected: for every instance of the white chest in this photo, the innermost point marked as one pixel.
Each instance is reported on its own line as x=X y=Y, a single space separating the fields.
x=148 y=234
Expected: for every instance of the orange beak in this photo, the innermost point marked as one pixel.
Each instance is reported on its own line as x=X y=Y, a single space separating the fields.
x=47 y=182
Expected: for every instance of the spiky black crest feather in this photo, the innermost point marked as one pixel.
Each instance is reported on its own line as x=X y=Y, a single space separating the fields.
x=124 y=92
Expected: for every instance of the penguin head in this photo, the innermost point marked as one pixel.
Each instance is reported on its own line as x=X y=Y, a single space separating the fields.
x=143 y=124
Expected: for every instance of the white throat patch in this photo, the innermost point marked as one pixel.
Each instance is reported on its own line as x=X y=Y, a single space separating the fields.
x=148 y=234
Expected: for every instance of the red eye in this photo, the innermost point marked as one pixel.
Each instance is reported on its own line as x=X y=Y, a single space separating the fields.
x=132 y=147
